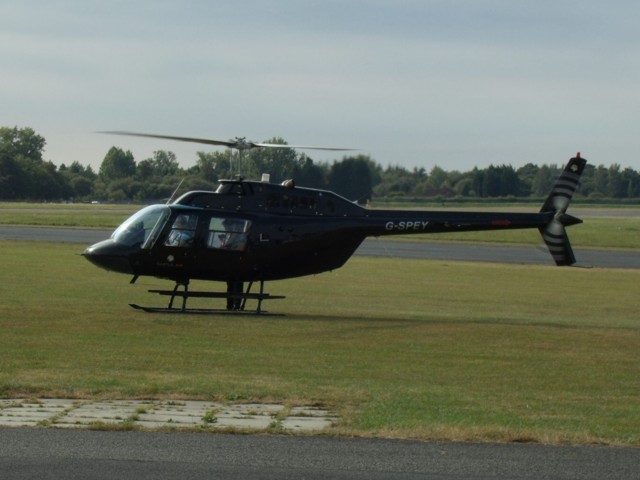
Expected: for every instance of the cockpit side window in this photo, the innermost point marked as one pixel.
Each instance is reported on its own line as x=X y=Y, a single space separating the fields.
x=182 y=231
x=228 y=234
x=230 y=189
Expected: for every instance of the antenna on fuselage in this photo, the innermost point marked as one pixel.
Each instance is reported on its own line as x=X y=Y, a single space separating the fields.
x=175 y=191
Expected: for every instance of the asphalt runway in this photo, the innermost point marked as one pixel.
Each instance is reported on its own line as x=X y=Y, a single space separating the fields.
x=85 y=454
x=383 y=247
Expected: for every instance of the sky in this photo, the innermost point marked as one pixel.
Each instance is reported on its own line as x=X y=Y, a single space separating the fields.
x=415 y=83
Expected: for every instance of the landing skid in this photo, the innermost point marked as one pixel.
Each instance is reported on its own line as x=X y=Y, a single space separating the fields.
x=205 y=311
x=239 y=299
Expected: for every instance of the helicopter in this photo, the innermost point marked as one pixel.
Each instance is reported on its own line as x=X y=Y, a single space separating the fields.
x=249 y=231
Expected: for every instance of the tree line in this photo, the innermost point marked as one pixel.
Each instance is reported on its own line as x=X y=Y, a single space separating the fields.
x=25 y=175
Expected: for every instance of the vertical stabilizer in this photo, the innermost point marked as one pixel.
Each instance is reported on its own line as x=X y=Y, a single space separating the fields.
x=554 y=233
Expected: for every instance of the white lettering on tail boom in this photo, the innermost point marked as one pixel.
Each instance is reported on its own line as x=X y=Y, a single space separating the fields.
x=414 y=225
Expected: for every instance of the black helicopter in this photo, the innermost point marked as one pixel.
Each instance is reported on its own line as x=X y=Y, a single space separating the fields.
x=254 y=231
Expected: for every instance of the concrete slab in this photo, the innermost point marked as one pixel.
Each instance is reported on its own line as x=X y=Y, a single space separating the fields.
x=245 y=422
x=170 y=418
x=18 y=422
x=153 y=414
x=307 y=423
x=21 y=412
x=102 y=412
x=32 y=412
x=177 y=413
x=307 y=412
x=257 y=408
x=53 y=403
x=185 y=405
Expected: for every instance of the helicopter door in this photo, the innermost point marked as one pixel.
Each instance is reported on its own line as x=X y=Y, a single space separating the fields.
x=228 y=234
x=176 y=252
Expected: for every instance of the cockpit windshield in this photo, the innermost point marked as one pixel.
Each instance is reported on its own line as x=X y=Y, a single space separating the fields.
x=143 y=227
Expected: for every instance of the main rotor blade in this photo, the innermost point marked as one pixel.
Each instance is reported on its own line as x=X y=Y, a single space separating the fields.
x=302 y=147
x=238 y=143
x=206 y=141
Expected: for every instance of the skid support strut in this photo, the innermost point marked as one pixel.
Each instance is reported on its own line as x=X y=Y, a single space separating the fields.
x=184 y=295
x=239 y=299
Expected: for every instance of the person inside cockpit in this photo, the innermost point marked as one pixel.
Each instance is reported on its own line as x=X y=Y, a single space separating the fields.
x=235 y=238
x=180 y=235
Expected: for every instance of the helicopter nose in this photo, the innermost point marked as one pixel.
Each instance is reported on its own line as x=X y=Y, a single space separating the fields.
x=110 y=255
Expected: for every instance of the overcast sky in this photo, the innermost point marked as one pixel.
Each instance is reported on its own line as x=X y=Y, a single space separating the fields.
x=415 y=83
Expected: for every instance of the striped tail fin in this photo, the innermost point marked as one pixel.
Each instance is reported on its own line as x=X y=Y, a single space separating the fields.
x=554 y=233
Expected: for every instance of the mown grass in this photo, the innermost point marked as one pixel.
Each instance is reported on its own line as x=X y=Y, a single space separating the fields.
x=398 y=348
x=65 y=215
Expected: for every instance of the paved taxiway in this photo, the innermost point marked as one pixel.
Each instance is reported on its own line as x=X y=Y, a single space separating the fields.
x=382 y=247
x=71 y=454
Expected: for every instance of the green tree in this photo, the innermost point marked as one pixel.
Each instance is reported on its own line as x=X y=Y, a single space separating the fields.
x=352 y=178
x=601 y=180
x=211 y=166
x=509 y=181
x=311 y=174
x=631 y=180
x=123 y=189
x=544 y=180
x=280 y=163
x=398 y=181
x=21 y=142
x=526 y=175
x=165 y=163
x=438 y=183
x=117 y=164
x=616 y=187
x=207 y=166
x=145 y=169
x=78 y=180
x=81 y=187
x=12 y=177
x=464 y=187
x=23 y=174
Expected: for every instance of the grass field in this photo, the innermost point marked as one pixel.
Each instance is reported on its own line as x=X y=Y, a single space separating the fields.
x=398 y=348
x=65 y=215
